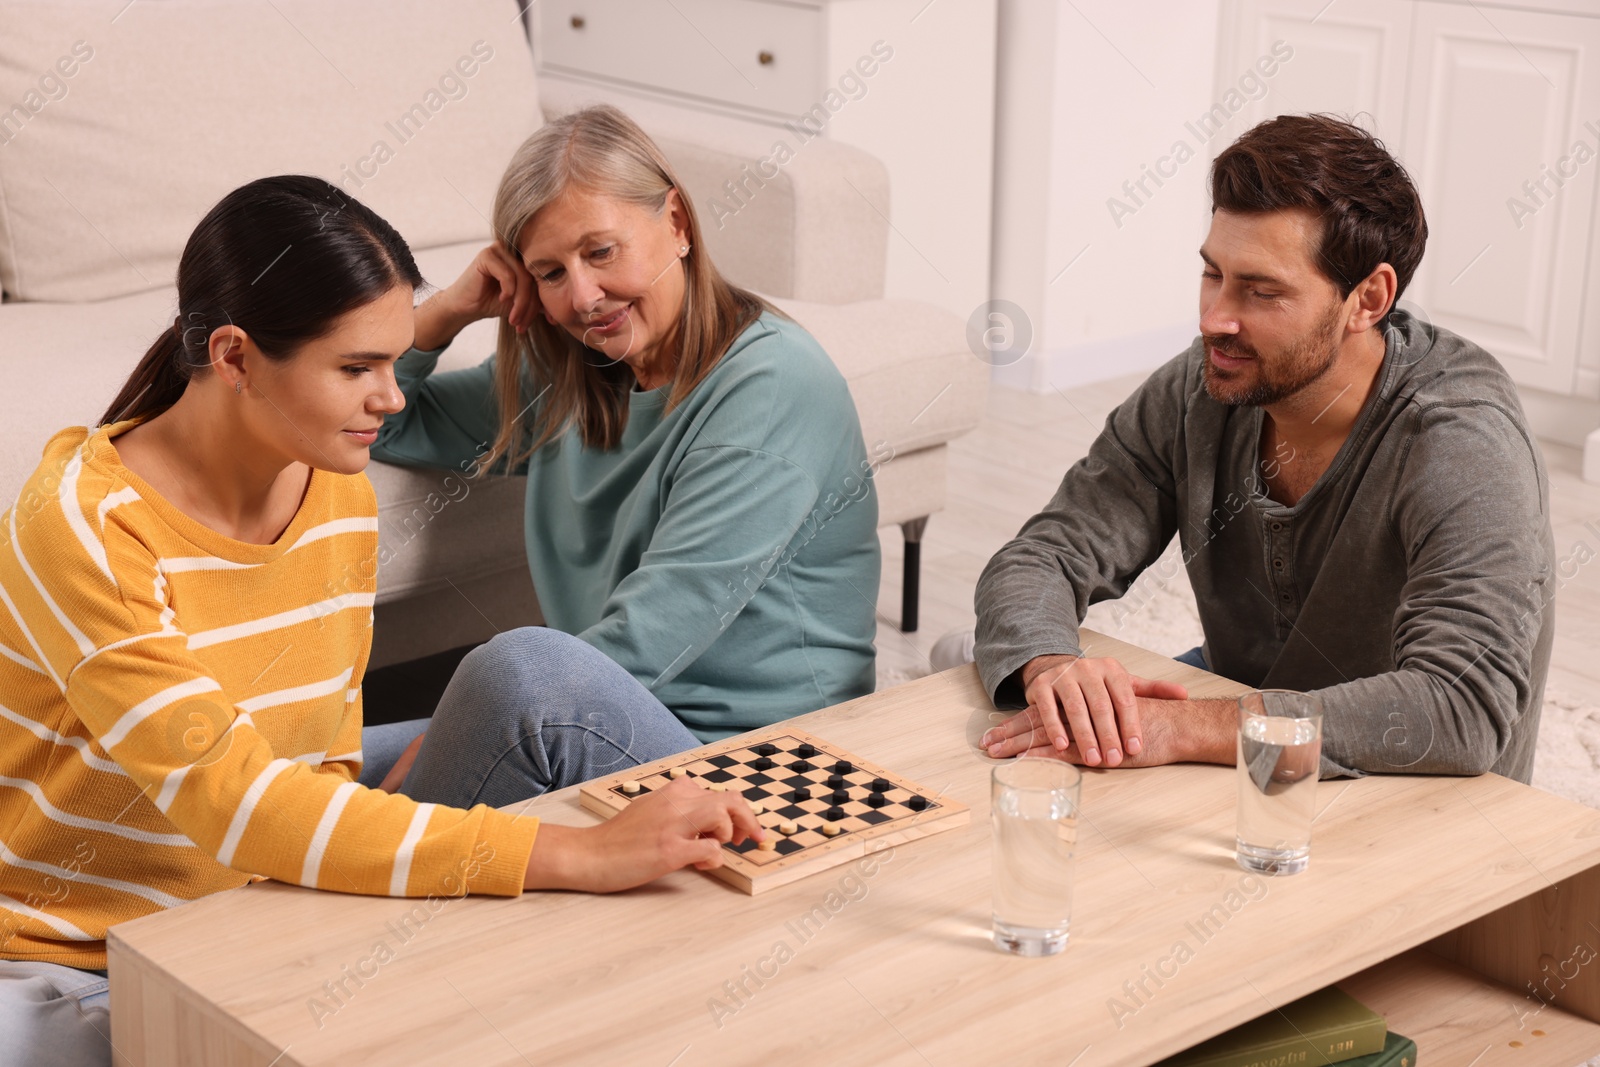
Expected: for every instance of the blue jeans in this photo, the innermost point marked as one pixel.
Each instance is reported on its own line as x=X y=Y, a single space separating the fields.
x=54 y=1016
x=532 y=710
x=1195 y=657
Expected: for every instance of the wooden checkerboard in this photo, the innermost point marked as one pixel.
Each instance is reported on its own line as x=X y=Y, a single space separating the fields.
x=836 y=803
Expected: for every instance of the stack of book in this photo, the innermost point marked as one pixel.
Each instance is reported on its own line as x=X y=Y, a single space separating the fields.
x=1327 y=1027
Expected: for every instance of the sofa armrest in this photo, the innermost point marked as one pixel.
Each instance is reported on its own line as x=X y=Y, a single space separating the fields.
x=809 y=221
x=915 y=382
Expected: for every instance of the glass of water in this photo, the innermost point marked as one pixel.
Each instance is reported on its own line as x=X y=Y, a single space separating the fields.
x=1280 y=752
x=1035 y=817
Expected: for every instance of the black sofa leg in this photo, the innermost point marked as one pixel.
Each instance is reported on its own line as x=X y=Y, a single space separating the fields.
x=910 y=586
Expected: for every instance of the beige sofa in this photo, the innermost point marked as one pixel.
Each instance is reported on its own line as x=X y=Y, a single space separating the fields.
x=122 y=125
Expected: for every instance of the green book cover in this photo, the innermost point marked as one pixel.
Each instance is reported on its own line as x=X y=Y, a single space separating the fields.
x=1329 y=1026
x=1397 y=1052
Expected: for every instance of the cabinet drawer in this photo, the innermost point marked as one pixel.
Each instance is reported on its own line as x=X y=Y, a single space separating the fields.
x=710 y=49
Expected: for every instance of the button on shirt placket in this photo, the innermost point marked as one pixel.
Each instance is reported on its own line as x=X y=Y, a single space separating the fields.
x=1280 y=565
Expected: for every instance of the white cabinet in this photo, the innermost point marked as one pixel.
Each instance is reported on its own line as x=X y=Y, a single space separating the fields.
x=1495 y=111
x=1498 y=101
x=765 y=58
x=758 y=71
x=1349 y=57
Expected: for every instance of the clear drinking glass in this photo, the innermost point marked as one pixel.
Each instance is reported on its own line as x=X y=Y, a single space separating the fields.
x=1280 y=751
x=1035 y=817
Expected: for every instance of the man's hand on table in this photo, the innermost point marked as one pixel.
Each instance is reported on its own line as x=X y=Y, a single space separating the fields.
x=1092 y=711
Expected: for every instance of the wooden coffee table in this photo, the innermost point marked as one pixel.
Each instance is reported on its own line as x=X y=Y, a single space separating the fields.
x=1434 y=900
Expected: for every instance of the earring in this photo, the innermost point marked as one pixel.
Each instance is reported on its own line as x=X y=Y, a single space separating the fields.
x=683 y=250
x=238 y=387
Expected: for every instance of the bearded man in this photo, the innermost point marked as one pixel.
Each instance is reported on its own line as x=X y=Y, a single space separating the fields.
x=1362 y=510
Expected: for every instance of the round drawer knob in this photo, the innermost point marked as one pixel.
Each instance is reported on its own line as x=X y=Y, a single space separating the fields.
x=577 y=22
x=765 y=58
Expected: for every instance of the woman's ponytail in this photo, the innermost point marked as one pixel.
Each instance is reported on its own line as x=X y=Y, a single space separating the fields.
x=156 y=383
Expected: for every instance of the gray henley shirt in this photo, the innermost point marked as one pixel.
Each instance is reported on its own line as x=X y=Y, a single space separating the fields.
x=1412 y=587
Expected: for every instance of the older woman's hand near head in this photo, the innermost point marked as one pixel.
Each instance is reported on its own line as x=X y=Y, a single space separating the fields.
x=495 y=284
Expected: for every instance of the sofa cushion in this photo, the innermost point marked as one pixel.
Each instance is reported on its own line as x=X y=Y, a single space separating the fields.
x=66 y=362
x=117 y=134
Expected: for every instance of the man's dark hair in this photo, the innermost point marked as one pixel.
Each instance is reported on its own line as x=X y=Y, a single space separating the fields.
x=1369 y=208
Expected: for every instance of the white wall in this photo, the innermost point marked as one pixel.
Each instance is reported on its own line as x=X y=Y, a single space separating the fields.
x=1109 y=97
x=1025 y=66
x=930 y=119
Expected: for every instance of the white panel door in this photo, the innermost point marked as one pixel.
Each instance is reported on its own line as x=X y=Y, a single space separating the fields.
x=1348 y=57
x=1502 y=134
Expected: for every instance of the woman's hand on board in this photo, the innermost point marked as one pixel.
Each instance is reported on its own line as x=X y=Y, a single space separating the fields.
x=680 y=824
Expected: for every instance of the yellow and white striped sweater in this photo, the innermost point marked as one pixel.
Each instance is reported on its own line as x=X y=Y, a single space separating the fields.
x=180 y=711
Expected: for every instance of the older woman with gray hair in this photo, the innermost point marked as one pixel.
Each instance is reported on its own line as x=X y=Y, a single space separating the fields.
x=700 y=521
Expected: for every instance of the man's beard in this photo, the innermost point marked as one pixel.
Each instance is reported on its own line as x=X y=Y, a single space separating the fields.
x=1277 y=378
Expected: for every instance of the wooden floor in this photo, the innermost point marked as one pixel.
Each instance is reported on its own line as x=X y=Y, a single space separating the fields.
x=1007 y=469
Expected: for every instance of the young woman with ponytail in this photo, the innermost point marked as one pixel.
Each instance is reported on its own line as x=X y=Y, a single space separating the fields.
x=180 y=701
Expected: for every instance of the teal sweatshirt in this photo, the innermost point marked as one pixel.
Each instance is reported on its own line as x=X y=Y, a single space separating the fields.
x=725 y=553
